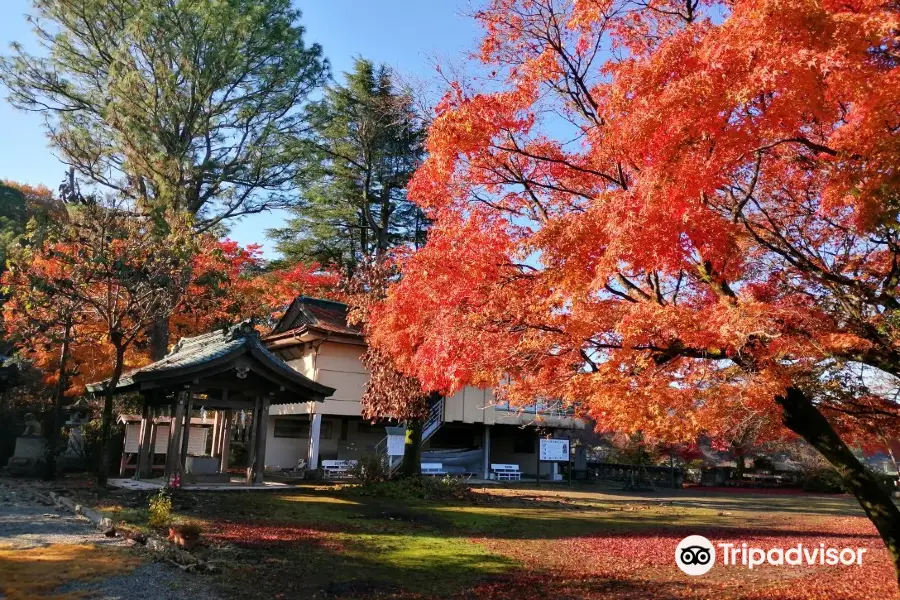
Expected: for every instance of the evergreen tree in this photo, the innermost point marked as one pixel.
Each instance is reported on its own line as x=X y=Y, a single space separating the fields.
x=367 y=141
x=185 y=105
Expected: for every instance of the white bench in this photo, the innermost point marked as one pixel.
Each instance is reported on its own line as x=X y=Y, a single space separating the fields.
x=333 y=468
x=506 y=472
x=432 y=469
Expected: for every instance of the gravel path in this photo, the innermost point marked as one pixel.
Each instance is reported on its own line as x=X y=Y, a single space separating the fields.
x=26 y=522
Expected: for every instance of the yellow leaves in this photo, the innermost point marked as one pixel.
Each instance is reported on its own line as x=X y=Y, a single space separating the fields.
x=37 y=573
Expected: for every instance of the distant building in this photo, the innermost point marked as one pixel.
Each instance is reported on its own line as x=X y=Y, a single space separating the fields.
x=466 y=432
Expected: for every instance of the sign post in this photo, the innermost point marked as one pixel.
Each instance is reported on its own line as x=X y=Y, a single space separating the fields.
x=552 y=450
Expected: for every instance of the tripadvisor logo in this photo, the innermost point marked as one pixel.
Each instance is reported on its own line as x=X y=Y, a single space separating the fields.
x=695 y=555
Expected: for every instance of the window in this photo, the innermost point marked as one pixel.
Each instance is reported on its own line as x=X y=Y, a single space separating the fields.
x=366 y=427
x=325 y=430
x=291 y=428
x=523 y=444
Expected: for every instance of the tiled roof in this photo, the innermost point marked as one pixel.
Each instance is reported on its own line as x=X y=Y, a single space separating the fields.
x=326 y=315
x=194 y=353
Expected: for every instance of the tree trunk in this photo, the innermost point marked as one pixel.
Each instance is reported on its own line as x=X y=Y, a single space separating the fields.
x=159 y=338
x=106 y=420
x=61 y=384
x=741 y=461
x=804 y=419
x=412 y=451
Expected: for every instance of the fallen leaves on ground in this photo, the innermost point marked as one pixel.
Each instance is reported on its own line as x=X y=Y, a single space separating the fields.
x=29 y=573
x=632 y=566
x=261 y=535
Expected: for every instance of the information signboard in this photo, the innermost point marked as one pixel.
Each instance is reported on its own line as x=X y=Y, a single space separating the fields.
x=554 y=450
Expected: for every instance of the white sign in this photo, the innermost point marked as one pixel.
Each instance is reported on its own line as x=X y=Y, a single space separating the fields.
x=395 y=445
x=555 y=450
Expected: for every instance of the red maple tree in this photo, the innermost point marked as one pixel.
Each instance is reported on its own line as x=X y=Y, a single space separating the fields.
x=677 y=215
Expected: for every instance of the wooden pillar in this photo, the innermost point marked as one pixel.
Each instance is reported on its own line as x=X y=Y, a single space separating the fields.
x=223 y=421
x=186 y=436
x=173 y=450
x=154 y=434
x=216 y=432
x=251 y=453
x=145 y=454
x=261 y=435
x=225 y=448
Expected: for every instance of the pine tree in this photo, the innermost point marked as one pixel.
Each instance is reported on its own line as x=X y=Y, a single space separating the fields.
x=367 y=142
x=185 y=105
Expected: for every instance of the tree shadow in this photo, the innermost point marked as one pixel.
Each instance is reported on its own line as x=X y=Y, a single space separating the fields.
x=314 y=543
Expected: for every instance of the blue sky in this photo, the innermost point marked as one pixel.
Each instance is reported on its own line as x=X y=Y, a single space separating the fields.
x=405 y=34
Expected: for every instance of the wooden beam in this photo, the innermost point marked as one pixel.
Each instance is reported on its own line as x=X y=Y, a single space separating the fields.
x=144 y=467
x=261 y=435
x=251 y=454
x=216 y=432
x=223 y=422
x=186 y=436
x=173 y=451
x=225 y=450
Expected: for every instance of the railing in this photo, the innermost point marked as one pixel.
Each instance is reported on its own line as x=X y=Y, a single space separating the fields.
x=434 y=421
x=392 y=462
x=546 y=409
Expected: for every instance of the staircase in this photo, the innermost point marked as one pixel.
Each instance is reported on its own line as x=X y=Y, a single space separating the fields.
x=434 y=420
x=432 y=423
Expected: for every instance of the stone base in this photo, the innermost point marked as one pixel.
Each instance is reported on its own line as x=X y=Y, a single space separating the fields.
x=202 y=465
x=24 y=466
x=208 y=478
x=70 y=463
x=28 y=458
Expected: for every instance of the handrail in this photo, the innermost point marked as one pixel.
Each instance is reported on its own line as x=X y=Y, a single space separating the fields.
x=434 y=420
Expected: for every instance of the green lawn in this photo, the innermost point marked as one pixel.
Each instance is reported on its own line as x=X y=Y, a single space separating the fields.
x=584 y=542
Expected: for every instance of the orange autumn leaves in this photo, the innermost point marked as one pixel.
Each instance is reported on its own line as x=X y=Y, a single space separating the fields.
x=665 y=213
x=228 y=283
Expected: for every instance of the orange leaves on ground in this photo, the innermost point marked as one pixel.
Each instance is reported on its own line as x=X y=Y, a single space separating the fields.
x=641 y=565
x=261 y=535
x=39 y=572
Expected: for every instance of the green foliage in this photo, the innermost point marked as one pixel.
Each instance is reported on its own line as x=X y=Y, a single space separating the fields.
x=190 y=105
x=160 y=509
x=370 y=469
x=367 y=141
x=633 y=450
x=13 y=215
x=417 y=488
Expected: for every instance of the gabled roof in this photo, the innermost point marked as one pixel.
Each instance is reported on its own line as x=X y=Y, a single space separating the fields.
x=316 y=314
x=213 y=354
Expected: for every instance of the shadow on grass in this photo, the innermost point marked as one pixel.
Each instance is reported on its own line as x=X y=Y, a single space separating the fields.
x=327 y=542
x=532 y=518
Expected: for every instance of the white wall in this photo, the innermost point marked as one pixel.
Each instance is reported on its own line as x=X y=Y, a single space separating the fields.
x=335 y=365
x=340 y=366
x=282 y=453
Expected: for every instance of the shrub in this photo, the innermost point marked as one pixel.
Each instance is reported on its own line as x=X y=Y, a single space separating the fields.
x=160 y=509
x=417 y=488
x=370 y=469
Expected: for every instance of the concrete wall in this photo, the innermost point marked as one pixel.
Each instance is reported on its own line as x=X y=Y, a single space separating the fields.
x=339 y=366
x=504 y=446
x=475 y=405
x=341 y=437
x=335 y=365
x=503 y=449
